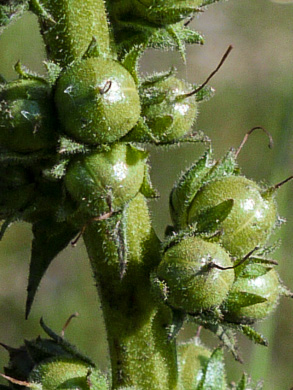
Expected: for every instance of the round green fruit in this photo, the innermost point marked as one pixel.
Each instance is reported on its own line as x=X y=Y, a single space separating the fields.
x=193 y=284
x=251 y=220
x=192 y=358
x=67 y=373
x=265 y=286
x=97 y=101
x=170 y=119
x=112 y=178
x=27 y=117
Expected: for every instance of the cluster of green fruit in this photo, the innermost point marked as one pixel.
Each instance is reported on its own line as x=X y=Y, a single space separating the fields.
x=72 y=161
x=215 y=254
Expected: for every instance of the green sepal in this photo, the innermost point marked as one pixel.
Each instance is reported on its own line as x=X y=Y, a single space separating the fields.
x=53 y=71
x=147 y=188
x=243 y=299
x=50 y=238
x=204 y=94
x=184 y=191
x=152 y=80
x=227 y=166
x=140 y=133
x=130 y=61
x=40 y=349
x=253 y=335
x=252 y=270
x=26 y=74
x=165 y=38
x=180 y=46
x=227 y=336
x=57 y=171
x=68 y=347
x=214 y=376
x=11 y=11
x=38 y=9
x=211 y=218
x=68 y=146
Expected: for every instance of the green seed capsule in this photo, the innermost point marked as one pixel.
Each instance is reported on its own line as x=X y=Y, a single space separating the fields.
x=27 y=117
x=97 y=101
x=67 y=373
x=237 y=307
x=251 y=220
x=172 y=117
x=112 y=177
x=193 y=284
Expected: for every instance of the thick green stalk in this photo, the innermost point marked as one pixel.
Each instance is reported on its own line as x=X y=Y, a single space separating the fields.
x=68 y=27
x=141 y=353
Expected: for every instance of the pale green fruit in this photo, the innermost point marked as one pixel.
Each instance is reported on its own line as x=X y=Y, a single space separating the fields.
x=192 y=284
x=97 y=101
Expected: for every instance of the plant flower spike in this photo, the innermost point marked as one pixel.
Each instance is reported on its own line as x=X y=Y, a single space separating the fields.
x=74 y=149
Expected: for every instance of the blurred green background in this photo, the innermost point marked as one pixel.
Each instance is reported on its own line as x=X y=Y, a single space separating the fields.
x=254 y=87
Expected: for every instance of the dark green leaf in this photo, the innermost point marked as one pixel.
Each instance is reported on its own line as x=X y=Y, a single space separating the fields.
x=50 y=238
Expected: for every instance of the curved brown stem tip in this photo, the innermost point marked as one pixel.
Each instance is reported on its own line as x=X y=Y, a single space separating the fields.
x=214 y=265
x=227 y=52
x=68 y=322
x=278 y=185
x=271 y=141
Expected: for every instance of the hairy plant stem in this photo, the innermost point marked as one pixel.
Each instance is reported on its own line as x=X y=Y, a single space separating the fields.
x=140 y=352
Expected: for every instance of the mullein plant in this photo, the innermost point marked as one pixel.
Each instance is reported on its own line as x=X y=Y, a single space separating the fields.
x=74 y=163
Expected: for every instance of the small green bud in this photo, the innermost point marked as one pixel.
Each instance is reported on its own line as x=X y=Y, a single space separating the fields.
x=27 y=117
x=106 y=180
x=193 y=283
x=252 y=217
x=169 y=115
x=97 y=101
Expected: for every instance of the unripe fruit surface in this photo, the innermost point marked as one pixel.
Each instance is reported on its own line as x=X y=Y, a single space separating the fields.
x=251 y=220
x=192 y=284
x=97 y=101
x=192 y=358
x=27 y=117
x=62 y=373
x=183 y=112
x=114 y=176
x=266 y=286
